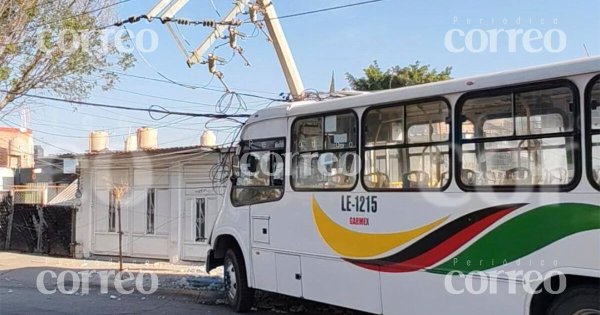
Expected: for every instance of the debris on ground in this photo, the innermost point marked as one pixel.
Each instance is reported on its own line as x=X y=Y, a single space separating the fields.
x=277 y=303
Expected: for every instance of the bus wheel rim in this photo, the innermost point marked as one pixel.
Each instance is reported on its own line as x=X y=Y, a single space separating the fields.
x=230 y=281
x=587 y=312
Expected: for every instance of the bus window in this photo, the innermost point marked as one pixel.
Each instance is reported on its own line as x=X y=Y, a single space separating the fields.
x=323 y=152
x=258 y=172
x=518 y=139
x=593 y=112
x=498 y=123
x=407 y=146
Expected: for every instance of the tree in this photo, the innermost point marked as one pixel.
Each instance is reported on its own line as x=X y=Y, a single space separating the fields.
x=395 y=77
x=56 y=47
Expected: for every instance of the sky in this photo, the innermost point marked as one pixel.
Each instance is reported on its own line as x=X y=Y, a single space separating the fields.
x=393 y=32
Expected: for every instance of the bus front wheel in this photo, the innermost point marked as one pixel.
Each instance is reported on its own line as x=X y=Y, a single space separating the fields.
x=237 y=293
x=580 y=300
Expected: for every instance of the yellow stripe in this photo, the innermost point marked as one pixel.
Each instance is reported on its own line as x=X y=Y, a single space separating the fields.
x=351 y=244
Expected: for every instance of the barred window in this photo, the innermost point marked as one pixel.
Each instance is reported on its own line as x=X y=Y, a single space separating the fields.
x=112 y=209
x=323 y=152
x=406 y=146
x=150 y=210
x=517 y=137
x=200 y=219
x=258 y=172
x=593 y=114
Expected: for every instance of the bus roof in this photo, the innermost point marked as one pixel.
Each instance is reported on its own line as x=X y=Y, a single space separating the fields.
x=460 y=85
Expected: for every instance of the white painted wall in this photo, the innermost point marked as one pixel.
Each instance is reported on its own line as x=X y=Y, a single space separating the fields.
x=178 y=183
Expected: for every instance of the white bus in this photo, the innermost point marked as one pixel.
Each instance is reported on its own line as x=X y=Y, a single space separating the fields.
x=456 y=197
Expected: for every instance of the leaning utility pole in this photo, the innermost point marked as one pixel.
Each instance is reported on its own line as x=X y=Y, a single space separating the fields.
x=284 y=54
x=168 y=8
x=216 y=34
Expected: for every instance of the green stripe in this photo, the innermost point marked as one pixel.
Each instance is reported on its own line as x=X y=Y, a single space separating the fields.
x=523 y=235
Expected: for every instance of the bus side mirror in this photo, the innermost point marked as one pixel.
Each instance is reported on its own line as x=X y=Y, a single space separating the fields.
x=235 y=167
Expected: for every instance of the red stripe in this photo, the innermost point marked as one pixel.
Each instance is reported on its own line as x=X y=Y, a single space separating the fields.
x=441 y=250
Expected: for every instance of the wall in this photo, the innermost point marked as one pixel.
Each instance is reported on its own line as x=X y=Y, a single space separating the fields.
x=177 y=183
x=16 y=148
x=38 y=229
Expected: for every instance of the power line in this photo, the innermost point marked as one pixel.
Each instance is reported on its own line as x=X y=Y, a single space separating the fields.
x=163 y=97
x=83 y=13
x=326 y=9
x=188 y=85
x=166 y=125
x=150 y=110
x=215 y=7
x=41 y=141
x=193 y=87
x=175 y=99
x=34 y=27
x=114 y=119
x=177 y=21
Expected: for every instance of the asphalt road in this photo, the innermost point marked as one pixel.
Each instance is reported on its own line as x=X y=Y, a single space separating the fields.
x=19 y=295
x=26 y=300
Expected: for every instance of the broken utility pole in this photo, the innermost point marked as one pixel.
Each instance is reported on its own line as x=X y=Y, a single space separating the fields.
x=284 y=54
x=168 y=8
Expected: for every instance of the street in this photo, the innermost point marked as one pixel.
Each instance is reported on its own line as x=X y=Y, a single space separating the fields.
x=15 y=299
x=20 y=295
x=19 y=292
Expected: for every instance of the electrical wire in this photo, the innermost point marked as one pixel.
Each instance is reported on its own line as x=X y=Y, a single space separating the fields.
x=205 y=87
x=323 y=10
x=85 y=137
x=148 y=110
x=165 y=20
x=192 y=86
x=164 y=98
x=182 y=36
x=83 y=13
x=215 y=7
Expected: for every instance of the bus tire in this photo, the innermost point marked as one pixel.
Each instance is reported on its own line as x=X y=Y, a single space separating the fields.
x=579 y=300
x=237 y=293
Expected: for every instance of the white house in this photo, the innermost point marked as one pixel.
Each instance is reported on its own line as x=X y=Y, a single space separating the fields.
x=167 y=211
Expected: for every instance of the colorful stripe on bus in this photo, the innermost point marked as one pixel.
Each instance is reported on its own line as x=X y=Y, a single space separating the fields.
x=435 y=247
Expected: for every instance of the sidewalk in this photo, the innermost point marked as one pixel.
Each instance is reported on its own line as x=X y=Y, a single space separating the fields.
x=187 y=279
x=176 y=281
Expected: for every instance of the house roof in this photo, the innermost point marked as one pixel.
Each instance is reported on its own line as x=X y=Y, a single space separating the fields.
x=14 y=130
x=66 y=197
x=125 y=154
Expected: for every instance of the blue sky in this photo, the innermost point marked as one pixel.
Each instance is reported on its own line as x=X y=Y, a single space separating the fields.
x=393 y=32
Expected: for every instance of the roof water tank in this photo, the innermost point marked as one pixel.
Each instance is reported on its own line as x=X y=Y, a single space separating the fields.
x=208 y=139
x=98 y=141
x=147 y=138
x=21 y=146
x=130 y=143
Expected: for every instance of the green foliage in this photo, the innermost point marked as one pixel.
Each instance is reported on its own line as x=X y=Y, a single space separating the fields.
x=376 y=79
x=33 y=59
x=4 y=73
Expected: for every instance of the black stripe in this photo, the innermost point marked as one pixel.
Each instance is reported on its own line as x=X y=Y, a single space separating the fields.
x=439 y=235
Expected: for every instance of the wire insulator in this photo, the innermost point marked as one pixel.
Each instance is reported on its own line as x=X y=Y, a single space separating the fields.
x=208 y=23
